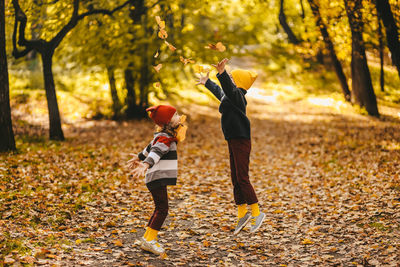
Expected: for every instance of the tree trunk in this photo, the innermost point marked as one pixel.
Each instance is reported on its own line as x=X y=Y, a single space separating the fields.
x=137 y=13
x=381 y=57
x=7 y=141
x=56 y=132
x=363 y=92
x=132 y=109
x=392 y=34
x=46 y=49
x=283 y=21
x=116 y=104
x=144 y=81
x=332 y=53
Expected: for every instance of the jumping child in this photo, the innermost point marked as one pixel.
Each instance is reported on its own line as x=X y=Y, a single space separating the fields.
x=160 y=162
x=236 y=129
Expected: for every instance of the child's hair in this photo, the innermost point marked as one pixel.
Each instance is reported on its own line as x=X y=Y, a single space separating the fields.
x=167 y=128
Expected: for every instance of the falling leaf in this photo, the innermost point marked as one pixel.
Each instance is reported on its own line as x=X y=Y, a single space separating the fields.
x=156 y=55
x=171 y=47
x=156 y=85
x=200 y=69
x=163 y=34
x=186 y=60
x=218 y=47
x=158 y=67
x=161 y=23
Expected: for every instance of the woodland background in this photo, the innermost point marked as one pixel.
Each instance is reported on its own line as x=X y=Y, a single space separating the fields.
x=76 y=77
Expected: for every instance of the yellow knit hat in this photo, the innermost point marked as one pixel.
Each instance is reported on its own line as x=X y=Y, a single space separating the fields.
x=243 y=78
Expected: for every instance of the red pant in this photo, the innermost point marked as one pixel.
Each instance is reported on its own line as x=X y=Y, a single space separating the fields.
x=160 y=198
x=239 y=154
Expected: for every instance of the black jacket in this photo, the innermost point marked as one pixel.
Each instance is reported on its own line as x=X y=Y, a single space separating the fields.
x=234 y=121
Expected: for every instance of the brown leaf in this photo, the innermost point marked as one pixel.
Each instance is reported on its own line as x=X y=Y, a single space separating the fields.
x=170 y=46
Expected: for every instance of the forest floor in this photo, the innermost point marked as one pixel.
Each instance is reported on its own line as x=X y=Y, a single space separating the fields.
x=327 y=178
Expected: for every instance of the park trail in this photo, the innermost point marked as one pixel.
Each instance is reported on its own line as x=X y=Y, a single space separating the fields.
x=326 y=177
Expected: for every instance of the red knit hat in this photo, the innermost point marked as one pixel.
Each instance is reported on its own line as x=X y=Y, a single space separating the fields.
x=161 y=114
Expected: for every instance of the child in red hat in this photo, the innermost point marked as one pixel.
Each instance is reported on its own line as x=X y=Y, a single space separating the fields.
x=159 y=163
x=236 y=129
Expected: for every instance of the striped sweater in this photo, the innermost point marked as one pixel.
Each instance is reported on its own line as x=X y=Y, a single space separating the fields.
x=162 y=158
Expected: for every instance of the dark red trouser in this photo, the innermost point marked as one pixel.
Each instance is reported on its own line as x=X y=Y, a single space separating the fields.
x=160 y=198
x=239 y=154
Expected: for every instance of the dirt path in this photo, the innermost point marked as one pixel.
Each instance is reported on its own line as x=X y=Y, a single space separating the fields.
x=328 y=182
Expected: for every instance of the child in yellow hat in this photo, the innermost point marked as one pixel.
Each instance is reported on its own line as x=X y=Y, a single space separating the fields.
x=236 y=129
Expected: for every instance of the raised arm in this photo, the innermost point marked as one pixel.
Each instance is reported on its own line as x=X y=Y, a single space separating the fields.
x=210 y=85
x=230 y=90
x=215 y=89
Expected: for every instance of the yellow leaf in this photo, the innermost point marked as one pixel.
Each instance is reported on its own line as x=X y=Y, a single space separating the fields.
x=156 y=55
x=78 y=241
x=186 y=60
x=51 y=256
x=206 y=243
x=160 y=22
x=158 y=67
x=163 y=34
x=218 y=47
x=307 y=241
x=225 y=228
x=8 y=260
x=118 y=243
x=28 y=259
x=163 y=256
x=200 y=69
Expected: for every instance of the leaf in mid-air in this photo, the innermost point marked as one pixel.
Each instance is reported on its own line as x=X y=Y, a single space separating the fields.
x=218 y=47
x=158 y=67
x=163 y=34
x=171 y=47
x=186 y=60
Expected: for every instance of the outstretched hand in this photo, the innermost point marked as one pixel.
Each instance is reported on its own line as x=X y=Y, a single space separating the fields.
x=221 y=65
x=140 y=170
x=203 y=79
x=133 y=162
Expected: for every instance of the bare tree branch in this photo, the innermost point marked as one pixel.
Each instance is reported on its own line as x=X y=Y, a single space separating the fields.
x=20 y=19
x=76 y=18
